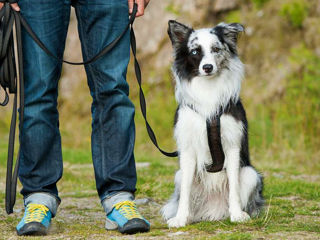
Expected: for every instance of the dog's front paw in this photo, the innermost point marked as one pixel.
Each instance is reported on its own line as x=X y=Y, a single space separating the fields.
x=239 y=217
x=176 y=222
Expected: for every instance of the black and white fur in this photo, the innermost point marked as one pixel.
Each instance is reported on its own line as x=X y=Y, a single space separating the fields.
x=208 y=75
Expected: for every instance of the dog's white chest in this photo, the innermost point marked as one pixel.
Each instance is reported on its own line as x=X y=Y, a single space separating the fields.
x=191 y=135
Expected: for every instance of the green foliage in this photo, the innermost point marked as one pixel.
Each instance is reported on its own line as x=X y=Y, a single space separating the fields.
x=259 y=3
x=295 y=12
x=172 y=8
x=233 y=16
x=300 y=107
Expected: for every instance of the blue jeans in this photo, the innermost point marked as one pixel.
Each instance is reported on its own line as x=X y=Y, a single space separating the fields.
x=113 y=130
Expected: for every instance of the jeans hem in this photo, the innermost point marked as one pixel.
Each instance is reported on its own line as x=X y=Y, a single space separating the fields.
x=44 y=198
x=114 y=198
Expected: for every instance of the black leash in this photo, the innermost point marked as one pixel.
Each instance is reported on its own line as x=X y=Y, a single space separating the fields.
x=11 y=79
x=11 y=76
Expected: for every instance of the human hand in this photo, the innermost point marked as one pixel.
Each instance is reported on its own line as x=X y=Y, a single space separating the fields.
x=142 y=4
x=15 y=6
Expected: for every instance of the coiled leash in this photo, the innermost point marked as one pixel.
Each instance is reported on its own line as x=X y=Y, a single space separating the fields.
x=11 y=79
x=11 y=76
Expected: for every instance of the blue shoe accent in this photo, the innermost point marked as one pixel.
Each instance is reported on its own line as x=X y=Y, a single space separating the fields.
x=36 y=220
x=116 y=216
x=126 y=217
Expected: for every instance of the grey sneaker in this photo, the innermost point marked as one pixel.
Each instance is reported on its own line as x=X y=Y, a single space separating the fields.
x=126 y=218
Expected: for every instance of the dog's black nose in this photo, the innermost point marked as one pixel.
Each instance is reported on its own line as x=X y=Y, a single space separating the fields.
x=207 y=68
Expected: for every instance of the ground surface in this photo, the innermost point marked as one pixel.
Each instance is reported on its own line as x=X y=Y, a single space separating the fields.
x=292 y=208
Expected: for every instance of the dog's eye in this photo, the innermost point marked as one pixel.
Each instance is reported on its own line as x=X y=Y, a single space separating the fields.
x=194 y=52
x=216 y=49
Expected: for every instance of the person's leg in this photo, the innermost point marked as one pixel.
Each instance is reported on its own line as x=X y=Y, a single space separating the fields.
x=113 y=130
x=40 y=151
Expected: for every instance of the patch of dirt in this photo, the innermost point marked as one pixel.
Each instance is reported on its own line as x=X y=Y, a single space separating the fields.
x=307 y=218
x=307 y=178
x=290 y=198
x=294 y=236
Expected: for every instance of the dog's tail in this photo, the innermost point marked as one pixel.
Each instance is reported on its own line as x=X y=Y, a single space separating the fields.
x=256 y=201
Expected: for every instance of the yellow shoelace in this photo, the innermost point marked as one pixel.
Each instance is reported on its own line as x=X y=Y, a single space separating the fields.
x=128 y=209
x=36 y=212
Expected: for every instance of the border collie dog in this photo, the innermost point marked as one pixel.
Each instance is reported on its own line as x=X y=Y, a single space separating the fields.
x=208 y=75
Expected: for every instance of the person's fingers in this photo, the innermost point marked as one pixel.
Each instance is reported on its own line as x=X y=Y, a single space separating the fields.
x=140 y=8
x=130 y=3
x=15 y=7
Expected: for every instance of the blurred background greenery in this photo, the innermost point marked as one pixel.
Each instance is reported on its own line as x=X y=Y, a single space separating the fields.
x=281 y=50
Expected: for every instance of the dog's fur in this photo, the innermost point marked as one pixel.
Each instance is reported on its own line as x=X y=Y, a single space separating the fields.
x=208 y=75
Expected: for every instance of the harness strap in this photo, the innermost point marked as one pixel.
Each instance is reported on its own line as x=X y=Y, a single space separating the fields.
x=215 y=146
x=214 y=141
x=9 y=79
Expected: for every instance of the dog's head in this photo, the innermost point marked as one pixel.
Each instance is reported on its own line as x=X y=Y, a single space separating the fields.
x=203 y=52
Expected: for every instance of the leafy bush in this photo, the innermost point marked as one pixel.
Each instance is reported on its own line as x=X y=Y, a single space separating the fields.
x=295 y=12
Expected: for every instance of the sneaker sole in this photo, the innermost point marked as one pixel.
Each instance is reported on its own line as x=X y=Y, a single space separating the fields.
x=32 y=229
x=135 y=225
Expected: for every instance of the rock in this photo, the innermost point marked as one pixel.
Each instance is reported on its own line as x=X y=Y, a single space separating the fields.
x=224 y=5
x=177 y=234
x=142 y=201
x=142 y=164
x=151 y=29
x=249 y=31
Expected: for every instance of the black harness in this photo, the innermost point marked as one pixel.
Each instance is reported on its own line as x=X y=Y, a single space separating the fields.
x=215 y=146
x=213 y=128
x=12 y=81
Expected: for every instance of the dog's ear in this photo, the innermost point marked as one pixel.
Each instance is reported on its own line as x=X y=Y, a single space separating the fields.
x=229 y=33
x=178 y=32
